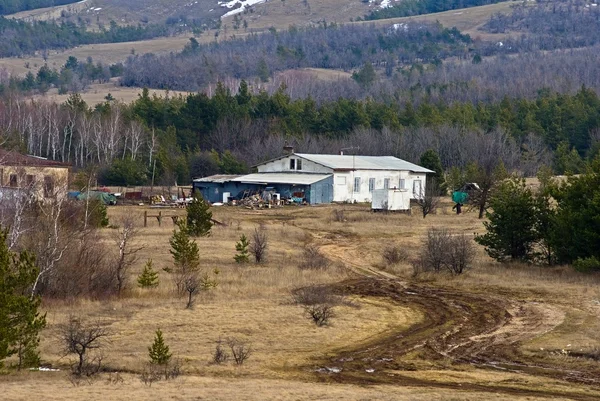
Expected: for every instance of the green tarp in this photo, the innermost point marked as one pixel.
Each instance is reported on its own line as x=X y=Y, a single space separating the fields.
x=459 y=197
x=105 y=197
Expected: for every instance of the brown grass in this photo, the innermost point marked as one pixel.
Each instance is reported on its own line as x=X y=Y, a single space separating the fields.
x=253 y=304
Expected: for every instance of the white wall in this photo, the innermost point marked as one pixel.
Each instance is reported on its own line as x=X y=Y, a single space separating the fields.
x=343 y=183
x=283 y=165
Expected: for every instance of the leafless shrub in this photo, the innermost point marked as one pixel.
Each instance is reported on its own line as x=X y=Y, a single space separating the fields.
x=153 y=373
x=394 y=254
x=461 y=254
x=259 y=244
x=313 y=259
x=320 y=314
x=318 y=303
x=220 y=355
x=114 y=378
x=338 y=215
x=442 y=250
x=428 y=199
x=150 y=375
x=80 y=339
x=240 y=350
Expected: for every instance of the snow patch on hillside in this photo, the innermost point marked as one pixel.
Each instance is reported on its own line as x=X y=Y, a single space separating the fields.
x=243 y=4
x=383 y=3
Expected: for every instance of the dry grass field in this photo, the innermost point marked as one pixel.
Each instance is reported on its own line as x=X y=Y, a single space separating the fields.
x=96 y=93
x=467 y=20
x=495 y=333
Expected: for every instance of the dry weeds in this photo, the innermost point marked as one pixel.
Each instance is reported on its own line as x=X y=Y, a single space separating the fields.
x=252 y=304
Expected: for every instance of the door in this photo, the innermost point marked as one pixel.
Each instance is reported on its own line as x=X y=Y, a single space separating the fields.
x=417 y=189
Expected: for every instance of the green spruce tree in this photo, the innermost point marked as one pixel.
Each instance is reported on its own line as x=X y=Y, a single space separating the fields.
x=242 y=250
x=431 y=160
x=186 y=254
x=149 y=277
x=511 y=229
x=20 y=320
x=199 y=217
x=159 y=351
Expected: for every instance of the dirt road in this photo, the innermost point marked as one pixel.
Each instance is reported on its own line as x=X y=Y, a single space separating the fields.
x=460 y=329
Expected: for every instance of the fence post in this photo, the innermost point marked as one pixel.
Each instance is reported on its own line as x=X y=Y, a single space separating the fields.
x=159 y=218
x=145 y=218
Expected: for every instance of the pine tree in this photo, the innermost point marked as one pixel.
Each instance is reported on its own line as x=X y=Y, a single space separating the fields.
x=186 y=258
x=149 y=277
x=199 y=217
x=20 y=321
x=186 y=254
x=242 y=250
x=511 y=229
x=431 y=160
x=159 y=351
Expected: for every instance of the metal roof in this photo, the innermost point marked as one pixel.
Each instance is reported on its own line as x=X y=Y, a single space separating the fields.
x=11 y=158
x=218 y=178
x=282 y=178
x=359 y=162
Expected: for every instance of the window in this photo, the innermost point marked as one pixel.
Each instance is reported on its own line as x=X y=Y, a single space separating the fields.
x=341 y=180
x=402 y=183
x=14 y=180
x=386 y=183
x=29 y=180
x=292 y=164
x=356 y=184
x=48 y=186
x=371 y=184
x=298 y=164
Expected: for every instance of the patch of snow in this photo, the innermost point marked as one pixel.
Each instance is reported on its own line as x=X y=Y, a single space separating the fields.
x=499 y=44
x=370 y=370
x=244 y=4
x=44 y=369
x=399 y=26
x=97 y=9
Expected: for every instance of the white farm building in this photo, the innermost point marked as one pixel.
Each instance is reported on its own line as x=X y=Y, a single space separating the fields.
x=320 y=178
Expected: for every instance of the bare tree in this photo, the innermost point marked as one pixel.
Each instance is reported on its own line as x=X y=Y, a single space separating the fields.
x=259 y=244
x=428 y=199
x=124 y=239
x=80 y=339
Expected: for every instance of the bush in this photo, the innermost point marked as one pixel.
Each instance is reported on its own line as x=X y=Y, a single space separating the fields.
x=587 y=265
x=338 y=215
x=394 y=254
x=442 y=250
x=318 y=303
x=313 y=259
x=240 y=351
x=259 y=244
x=220 y=355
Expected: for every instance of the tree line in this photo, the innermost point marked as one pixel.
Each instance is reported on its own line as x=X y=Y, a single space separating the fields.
x=409 y=8
x=174 y=138
x=14 y=6
x=20 y=38
x=260 y=55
